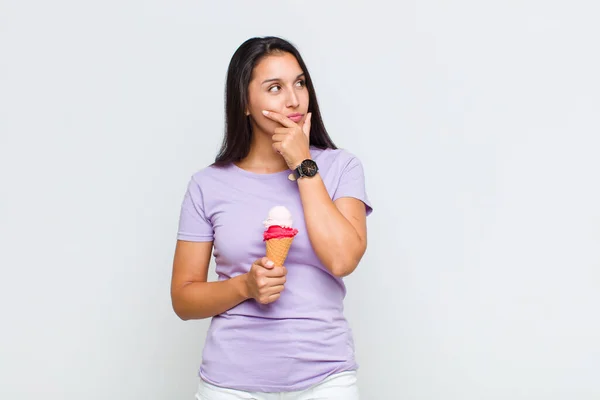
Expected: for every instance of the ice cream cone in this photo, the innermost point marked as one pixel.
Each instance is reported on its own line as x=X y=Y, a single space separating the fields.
x=278 y=234
x=277 y=249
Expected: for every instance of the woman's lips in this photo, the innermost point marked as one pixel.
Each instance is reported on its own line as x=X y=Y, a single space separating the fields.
x=296 y=117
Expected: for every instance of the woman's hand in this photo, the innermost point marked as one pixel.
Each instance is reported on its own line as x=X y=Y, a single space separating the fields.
x=291 y=140
x=265 y=281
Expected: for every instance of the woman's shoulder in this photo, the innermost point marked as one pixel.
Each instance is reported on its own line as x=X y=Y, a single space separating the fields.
x=211 y=173
x=337 y=156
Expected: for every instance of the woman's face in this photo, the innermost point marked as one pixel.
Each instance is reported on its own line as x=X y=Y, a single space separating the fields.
x=277 y=84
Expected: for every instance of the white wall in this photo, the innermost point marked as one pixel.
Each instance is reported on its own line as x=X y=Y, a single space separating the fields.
x=477 y=123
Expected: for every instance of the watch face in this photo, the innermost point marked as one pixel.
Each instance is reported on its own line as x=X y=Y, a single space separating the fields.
x=309 y=168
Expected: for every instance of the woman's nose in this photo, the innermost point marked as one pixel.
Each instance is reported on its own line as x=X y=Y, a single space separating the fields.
x=292 y=99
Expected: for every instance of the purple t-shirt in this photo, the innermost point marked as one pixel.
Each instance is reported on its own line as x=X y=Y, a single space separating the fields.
x=302 y=337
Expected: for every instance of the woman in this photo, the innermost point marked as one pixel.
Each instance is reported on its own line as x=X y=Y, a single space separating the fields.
x=275 y=330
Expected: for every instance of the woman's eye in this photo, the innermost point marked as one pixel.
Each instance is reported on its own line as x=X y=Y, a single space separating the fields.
x=277 y=88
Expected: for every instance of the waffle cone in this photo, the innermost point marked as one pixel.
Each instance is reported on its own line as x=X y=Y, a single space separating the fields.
x=277 y=249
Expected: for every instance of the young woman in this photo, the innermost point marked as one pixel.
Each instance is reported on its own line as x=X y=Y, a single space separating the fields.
x=275 y=330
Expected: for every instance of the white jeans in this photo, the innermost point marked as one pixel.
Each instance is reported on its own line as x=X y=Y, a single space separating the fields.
x=341 y=386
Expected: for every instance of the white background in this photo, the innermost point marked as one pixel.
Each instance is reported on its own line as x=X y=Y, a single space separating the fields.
x=478 y=126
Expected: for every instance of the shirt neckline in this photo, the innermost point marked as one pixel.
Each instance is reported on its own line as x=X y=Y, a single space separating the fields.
x=257 y=175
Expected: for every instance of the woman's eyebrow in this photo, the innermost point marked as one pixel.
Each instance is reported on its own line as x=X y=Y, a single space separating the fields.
x=278 y=79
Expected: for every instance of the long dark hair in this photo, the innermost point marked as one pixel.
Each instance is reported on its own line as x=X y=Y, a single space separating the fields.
x=238 y=131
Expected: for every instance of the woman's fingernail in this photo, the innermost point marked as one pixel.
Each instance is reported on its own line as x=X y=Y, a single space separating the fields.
x=270 y=263
x=265 y=112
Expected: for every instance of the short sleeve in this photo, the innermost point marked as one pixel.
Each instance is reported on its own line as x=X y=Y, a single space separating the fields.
x=352 y=183
x=194 y=226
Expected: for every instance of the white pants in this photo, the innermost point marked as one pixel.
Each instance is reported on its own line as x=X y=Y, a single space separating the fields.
x=341 y=386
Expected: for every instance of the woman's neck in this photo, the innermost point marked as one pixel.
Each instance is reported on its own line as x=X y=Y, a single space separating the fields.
x=262 y=158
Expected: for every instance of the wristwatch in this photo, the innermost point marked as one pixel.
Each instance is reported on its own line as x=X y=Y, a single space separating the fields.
x=307 y=168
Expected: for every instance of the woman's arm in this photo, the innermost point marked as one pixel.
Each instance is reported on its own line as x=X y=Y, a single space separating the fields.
x=192 y=296
x=337 y=230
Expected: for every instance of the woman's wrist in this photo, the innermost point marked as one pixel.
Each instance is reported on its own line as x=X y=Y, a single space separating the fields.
x=296 y=163
x=240 y=284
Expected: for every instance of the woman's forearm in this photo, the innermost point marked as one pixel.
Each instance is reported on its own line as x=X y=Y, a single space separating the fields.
x=335 y=241
x=198 y=300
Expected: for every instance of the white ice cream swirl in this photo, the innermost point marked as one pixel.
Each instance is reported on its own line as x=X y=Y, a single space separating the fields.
x=279 y=216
